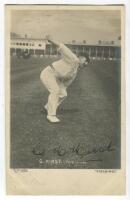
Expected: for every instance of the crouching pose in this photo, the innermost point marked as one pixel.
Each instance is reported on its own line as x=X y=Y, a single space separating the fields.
x=59 y=75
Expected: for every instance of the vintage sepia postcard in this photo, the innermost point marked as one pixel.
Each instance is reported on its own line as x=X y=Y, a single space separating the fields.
x=65 y=99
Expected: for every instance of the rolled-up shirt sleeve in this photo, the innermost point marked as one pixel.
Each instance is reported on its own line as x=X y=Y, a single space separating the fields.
x=67 y=53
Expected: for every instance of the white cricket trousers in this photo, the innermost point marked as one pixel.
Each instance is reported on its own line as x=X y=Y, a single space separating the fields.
x=56 y=88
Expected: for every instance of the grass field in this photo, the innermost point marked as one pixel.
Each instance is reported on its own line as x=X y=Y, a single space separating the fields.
x=89 y=133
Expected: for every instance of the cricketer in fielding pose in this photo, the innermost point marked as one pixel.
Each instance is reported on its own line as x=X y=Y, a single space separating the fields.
x=59 y=75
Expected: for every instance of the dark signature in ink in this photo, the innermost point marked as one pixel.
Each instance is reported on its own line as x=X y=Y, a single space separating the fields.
x=80 y=149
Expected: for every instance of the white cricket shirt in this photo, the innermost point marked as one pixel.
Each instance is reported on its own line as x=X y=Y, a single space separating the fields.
x=68 y=65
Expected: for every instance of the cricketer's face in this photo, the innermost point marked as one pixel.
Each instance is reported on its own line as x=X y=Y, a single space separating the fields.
x=83 y=61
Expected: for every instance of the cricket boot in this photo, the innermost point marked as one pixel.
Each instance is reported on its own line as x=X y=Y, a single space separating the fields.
x=53 y=119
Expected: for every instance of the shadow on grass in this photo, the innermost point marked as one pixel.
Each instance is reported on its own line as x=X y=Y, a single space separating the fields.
x=62 y=111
